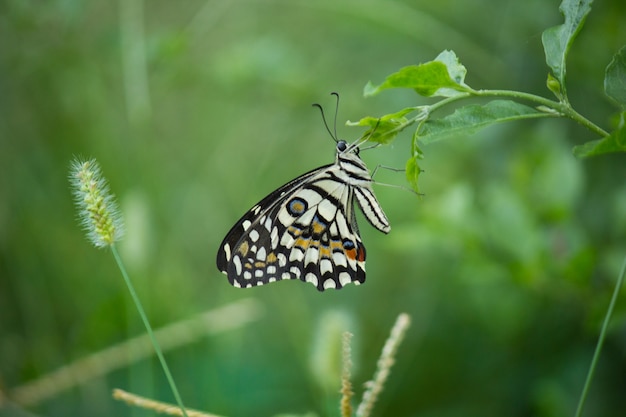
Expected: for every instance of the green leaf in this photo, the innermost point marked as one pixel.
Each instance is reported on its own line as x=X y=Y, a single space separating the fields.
x=384 y=129
x=443 y=77
x=615 y=142
x=413 y=170
x=615 y=78
x=558 y=39
x=469 y=119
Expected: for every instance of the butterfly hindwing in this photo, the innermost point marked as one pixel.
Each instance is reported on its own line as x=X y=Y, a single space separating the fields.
x=317 y=231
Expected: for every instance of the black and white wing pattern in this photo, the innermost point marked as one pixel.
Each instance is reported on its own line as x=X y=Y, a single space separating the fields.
x=306 y=229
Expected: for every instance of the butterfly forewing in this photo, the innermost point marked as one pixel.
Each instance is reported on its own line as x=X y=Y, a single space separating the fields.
x=305 y=230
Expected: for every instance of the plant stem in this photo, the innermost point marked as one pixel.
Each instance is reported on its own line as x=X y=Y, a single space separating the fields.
x=146 y=323
x=596 y=355
x=564 y=108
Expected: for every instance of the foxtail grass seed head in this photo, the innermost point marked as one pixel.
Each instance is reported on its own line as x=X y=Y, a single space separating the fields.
x=97 y=210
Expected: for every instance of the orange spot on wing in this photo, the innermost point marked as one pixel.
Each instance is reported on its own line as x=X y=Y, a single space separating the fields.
x=351 y=254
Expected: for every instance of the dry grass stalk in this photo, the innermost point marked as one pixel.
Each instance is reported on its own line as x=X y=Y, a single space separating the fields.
x=385 y=362
x=158 y=406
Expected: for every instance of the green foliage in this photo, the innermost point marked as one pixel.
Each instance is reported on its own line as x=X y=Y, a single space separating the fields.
x=467 y=120
x=615 y=78
x=445 y=77
x=383 y=129
x=442 y=77
x=558 y=40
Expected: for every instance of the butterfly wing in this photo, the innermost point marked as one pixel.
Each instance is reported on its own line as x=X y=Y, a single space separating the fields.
x=252 y=216
x=304 y=230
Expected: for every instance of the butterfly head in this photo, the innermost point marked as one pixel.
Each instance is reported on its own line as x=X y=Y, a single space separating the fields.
x=344 y=148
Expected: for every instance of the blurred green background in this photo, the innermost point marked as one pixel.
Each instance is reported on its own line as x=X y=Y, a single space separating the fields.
x=197 y=109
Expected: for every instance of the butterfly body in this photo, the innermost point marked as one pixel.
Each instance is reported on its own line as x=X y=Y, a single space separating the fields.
x=306 y=229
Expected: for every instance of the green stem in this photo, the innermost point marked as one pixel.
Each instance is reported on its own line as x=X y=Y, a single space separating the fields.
x=564 y=108
x=146 y=323
x=596 y=355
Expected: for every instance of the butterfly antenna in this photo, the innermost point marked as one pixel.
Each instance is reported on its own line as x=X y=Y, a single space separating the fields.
x=325 y=123
x=336 y=113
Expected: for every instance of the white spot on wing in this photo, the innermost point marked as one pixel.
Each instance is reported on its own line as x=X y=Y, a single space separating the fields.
x=274 y=237
x=296 y=255
x=345 y=278
x=330 y=283
x=340 y=220
x=307 y=217
x=227 y=251
x=327 y=210
x=339 y=259
x=295 y=271
x=287 y=240
x=311 y=197
x=261 y=254
x=285 y=218
x=312 y=255
x=312 y=278
x=246 y=224
x=254 y=235
x=326 y=266
x=237 y=263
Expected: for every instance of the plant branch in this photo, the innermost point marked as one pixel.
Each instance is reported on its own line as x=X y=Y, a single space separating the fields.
x=563 y=108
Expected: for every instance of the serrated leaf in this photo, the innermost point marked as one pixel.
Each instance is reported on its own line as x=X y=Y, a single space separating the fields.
x=558 y=39
x=615 y=77
x=469 y=119
x=443 y=77
x=615 y=142
x=383 y=129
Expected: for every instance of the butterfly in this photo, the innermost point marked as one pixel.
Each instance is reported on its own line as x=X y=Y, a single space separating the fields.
x=307 y=228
